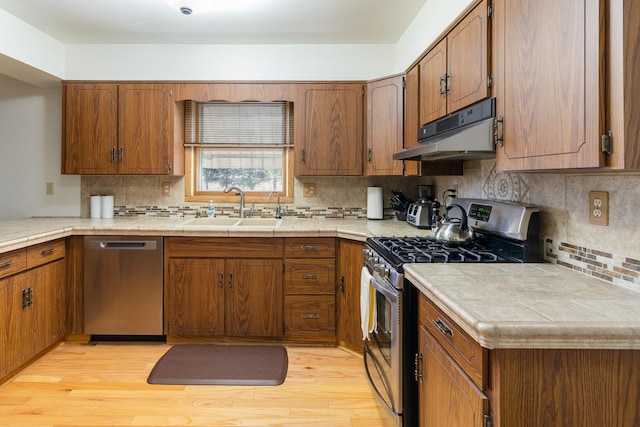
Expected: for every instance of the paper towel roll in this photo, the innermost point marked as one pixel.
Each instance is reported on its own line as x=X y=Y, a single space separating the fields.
x=374 y=203
x=107 y=206
x=96 y=206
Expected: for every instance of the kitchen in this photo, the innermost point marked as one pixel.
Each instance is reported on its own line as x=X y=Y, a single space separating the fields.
x=562 y=197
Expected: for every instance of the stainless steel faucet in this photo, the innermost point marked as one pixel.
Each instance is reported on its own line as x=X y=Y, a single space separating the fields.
x=278 y=208
x=241 y=193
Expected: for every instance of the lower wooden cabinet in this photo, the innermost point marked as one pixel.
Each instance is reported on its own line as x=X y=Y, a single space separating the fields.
x=210 y=294
x=32 y=305
x=349 y=267
x=309 y=301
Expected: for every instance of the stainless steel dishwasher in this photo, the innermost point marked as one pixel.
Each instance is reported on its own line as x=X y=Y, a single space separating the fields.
x=123 y=286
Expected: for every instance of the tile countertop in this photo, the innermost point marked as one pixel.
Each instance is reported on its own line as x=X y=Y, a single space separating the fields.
x=17 y=234
x=532 y=305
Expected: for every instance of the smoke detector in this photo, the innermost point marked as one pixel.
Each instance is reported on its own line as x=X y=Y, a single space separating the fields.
x=189 y=7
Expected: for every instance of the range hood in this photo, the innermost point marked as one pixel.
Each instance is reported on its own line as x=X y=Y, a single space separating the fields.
x=464 y=135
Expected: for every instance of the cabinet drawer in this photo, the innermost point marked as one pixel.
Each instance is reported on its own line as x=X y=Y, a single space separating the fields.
x=309 y=276
x=310 y=248
x=224 y=247
x=13 y=262
x=44 y=253
x=470 y=355
x=310 y=316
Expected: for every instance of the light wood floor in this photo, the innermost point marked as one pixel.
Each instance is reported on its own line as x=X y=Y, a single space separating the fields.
x=105 y=385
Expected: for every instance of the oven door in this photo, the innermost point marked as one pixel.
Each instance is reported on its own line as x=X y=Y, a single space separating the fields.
x=382 y=358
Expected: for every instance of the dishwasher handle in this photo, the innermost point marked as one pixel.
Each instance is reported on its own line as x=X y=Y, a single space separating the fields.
x=136 y=245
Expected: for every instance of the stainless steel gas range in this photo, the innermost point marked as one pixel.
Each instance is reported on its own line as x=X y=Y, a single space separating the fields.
x=505 y=232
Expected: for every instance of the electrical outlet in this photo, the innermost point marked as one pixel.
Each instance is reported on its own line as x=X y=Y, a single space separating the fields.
x=309 y=189
x=166 y=189
x=49 y=189
x=599 y=207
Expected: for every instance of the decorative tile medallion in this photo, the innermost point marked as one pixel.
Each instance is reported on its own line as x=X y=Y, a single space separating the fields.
x=505 y=186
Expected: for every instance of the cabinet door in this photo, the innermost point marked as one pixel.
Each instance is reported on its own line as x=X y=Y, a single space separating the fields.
x=411 y=117
x=384 y=126
x=196 y=296
x=90 y=136
x=47 y=304
x=467 y=60
x=350 y=263
x=549 y=83
x=433 y=94
x=145 y=129
x=447 y=397
x=11 y=336
x=254 y=298
x=331 y=140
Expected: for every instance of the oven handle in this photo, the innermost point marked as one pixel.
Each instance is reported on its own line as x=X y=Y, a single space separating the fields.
x=366 y=368
x=386 y=290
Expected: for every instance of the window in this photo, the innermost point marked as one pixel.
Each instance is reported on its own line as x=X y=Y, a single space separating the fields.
x=246 y=144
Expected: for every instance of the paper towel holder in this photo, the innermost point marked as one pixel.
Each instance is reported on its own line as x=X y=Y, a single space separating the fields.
x=375 y=208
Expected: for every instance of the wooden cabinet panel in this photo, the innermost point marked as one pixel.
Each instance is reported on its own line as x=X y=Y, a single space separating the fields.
x=145 y=129
x=13 y=262
x=349 y=267
x=45 y=252
x=330 y=142
x=468 y=60
x=454 y=73
x=309 y=302
x=11 y=339
x=550 y=83
x=307 y=318
x=253 y=300
x=433 y=95
x=304 y=247
x=447 y=396
x=47 y=285
x=196 y=296
x=90 y=129
x=120 y=129
x=384 y=101
x=411 y=117
x=223 y=247
x=212 y=292
x=310 y=276
x=463 y=349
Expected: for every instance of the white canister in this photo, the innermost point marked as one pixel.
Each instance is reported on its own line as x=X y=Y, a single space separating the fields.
x=96 y=206
x=107 y=206
x=374 y=203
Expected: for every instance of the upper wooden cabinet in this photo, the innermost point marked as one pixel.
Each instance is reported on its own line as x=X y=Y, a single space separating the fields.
x=455 y=72
x=384 y=127
x=566 y=74
x=119 y=129
x=329 y=141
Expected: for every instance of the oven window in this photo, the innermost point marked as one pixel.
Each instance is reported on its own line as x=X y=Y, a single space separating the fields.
x=382 y=333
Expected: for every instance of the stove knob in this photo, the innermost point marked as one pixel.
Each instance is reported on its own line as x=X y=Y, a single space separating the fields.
x=385 y=272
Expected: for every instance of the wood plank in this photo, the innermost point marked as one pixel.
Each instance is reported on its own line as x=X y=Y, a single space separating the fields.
x=105 y=384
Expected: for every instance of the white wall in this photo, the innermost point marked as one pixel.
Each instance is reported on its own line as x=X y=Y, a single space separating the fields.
x=429 y=23
x=30 y=129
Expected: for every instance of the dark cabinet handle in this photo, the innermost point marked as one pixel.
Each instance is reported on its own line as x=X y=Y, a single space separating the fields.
x=47 y=252
x=417 y=372
x=442 y=327
x=309 y=276
x=341 y=286
x=113 y=154
x=230 y=281
x=6 y=264
x=120 y=154
x=310 y=316
x=302 y=155
x=314 y=248
x=220 y=280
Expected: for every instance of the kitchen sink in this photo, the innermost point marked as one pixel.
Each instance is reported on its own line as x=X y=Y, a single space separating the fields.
x=232 y=222
x=259 y=222
x=212 y=222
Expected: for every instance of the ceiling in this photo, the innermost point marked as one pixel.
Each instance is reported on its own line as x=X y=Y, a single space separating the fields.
x=225 y=22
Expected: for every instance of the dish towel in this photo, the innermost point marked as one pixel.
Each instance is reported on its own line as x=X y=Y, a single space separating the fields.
x=367 y=304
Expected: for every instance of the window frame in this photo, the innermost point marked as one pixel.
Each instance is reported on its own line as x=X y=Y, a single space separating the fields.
x=191 y=150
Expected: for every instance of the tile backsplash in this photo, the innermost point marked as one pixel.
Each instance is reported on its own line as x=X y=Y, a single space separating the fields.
x=611 y=253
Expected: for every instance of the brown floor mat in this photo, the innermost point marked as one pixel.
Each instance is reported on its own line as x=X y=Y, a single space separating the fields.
x=209 y=364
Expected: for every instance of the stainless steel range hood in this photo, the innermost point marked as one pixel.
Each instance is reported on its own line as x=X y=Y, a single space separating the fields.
x=464 y=135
